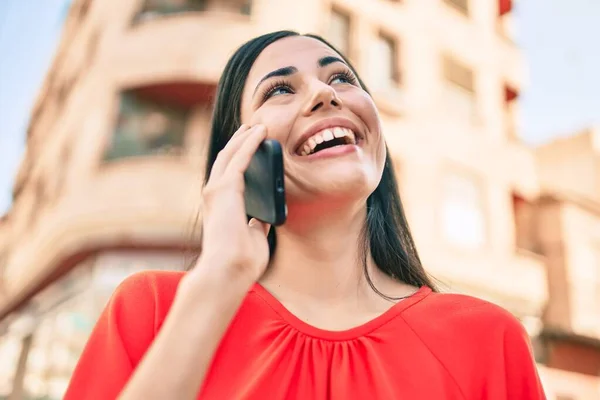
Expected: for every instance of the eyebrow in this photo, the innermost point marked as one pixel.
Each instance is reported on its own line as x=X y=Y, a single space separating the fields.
x=290 y=70
x=325 y=61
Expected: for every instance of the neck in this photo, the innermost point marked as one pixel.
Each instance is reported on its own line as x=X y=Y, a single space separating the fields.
x=318 y=255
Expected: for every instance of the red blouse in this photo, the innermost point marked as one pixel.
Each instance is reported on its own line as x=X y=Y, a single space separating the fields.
x=428 y=346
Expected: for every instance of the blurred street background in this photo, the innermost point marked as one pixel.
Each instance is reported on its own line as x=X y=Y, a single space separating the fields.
x=491 y=110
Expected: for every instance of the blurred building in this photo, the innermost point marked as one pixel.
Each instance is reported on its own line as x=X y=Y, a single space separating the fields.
x=111 y=178
x=567 y=215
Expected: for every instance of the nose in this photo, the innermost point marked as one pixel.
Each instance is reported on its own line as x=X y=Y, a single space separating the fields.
x=322 y=97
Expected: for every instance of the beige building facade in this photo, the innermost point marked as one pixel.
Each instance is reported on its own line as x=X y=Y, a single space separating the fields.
x=111 y=178
x=567 y=216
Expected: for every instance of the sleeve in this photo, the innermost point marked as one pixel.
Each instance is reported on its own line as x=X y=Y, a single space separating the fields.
x=519 y=375
x=119 y=339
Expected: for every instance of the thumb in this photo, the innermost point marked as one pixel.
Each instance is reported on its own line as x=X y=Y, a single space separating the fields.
x=259 y=226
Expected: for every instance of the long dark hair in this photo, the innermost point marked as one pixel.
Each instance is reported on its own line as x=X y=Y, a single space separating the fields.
x=386 y=233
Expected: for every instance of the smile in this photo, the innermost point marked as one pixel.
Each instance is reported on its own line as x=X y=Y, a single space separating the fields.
x=327 y=138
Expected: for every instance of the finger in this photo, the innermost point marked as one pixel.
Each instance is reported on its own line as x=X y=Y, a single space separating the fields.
x=236 y=143
x=259 y=226
x=226 y=153
x=222 y=157
x=243 y=128
x=241 y=159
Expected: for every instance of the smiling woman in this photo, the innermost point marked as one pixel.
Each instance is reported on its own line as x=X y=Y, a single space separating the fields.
x=334 y=304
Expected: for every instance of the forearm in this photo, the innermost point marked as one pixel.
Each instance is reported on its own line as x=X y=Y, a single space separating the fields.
x=176 y=363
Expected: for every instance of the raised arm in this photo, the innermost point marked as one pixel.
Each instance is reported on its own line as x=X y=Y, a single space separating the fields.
x=235 y=255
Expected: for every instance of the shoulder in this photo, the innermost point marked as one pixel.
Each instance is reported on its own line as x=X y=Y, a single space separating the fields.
x=475 y=340
x=125 y=329
x=451 y=310
x=146 y=294
x=153 y=282
x=453 y=324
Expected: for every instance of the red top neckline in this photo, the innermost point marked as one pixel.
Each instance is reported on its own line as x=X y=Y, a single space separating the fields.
x=448 y=346
x=347 y=334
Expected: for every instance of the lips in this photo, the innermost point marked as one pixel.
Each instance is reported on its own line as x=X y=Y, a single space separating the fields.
x=330 y=137
x=326 y=134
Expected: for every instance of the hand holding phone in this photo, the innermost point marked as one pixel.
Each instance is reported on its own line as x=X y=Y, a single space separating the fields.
x=229 y=240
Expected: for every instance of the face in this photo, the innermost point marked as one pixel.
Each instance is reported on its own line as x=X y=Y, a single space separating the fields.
x=328 y=126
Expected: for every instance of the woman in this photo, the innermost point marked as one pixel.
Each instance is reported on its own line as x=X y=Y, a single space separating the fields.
x=332 y=305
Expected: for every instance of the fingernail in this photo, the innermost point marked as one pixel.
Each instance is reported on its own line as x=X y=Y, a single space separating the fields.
x=267 y=229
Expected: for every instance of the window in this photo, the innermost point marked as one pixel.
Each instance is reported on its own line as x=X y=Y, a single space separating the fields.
x=10 y=350
x=57 y=344
x=154 y=8
x=339 y=31
x=459 y=91
x=504 y=7
x=460 y=5
x=462 y=213
x=385 y=74
x=584 y=279
x=66 y=312
x=505 y=24
x=145 y=127
x=525 y=227
x=151 y=7
x=246 y=7
x=230 y=6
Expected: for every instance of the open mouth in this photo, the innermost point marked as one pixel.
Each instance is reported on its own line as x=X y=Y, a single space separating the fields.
x=326 y=139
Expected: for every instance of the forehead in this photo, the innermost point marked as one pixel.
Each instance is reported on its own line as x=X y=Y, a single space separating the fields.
x=299 y=51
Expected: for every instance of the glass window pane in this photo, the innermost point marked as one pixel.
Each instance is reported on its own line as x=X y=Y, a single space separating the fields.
x=339 y=31
x=173 y=6
x=585 y=275
x=145 y=127
x=458 y=73
x=57 y=345
x=459 y=103
x=461 y=5
x=155 y=8
x=10 y=349
x=458 y=93
x=64 y=328
x=463 y=218
x=383 y=63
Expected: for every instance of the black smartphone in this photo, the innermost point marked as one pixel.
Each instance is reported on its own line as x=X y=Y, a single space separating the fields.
x=264 y=194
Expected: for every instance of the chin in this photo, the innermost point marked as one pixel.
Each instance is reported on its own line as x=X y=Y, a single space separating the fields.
x=348 y=186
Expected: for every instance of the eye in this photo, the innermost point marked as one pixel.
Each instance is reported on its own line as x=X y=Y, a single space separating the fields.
x=277 y=89
x=280 y=90
x=343 y=77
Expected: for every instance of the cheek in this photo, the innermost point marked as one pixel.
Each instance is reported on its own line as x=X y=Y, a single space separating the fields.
x=361 y=104
x=277 y=121
x=370 y=116
x=365 y=109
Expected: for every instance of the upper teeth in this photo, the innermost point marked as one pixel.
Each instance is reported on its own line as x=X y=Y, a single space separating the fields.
x=308 y=147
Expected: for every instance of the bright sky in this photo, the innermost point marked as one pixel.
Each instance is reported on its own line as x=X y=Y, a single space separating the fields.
x=559 y=40
x=29 y=31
